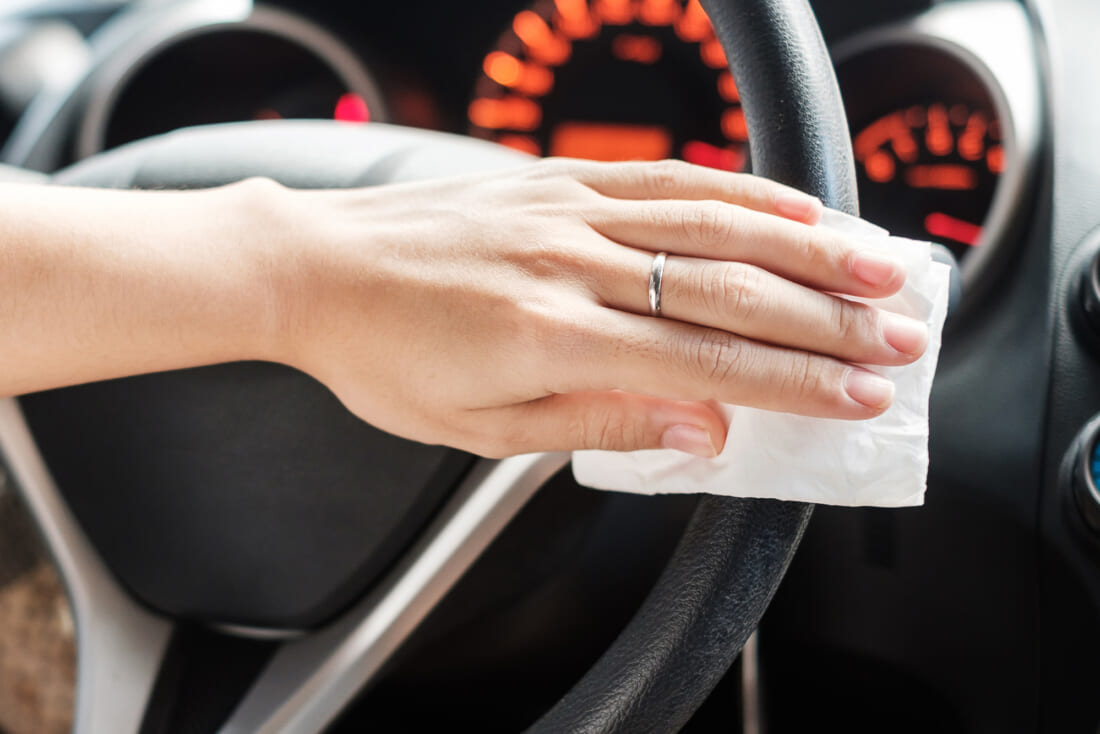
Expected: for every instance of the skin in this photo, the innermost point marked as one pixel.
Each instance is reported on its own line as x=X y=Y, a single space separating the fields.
x=499 y=313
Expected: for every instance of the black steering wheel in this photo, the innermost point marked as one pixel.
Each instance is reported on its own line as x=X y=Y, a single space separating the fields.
x=734 y=552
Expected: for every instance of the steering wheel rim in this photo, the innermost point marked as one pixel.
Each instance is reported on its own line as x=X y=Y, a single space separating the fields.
x=718 y=583
x=734 y=552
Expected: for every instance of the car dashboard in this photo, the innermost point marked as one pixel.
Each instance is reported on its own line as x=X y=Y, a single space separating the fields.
x=941 y=103
x=909 y=621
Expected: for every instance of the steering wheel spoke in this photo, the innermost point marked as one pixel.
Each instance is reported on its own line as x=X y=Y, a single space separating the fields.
x=310 y=680
x=119 y=644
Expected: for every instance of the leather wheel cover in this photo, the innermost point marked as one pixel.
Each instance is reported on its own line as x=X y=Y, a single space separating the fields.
x=734 y=552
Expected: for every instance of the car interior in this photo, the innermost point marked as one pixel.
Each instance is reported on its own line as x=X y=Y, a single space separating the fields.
x=227 y=549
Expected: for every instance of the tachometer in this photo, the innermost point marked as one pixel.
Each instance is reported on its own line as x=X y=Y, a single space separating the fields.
x=944 y=112
x=929 y=170
x=612 y=80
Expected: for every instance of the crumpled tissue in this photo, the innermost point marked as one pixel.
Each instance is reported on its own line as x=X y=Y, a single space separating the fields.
x=881 y=462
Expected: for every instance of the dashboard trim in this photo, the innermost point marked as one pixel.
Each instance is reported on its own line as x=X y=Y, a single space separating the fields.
x=993 y=38
x=91 y=135
x=40 y=135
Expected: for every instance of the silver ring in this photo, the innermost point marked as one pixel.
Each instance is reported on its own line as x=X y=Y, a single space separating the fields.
x=656 y=273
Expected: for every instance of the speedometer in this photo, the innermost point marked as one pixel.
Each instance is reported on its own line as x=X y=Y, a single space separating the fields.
x=612 y=80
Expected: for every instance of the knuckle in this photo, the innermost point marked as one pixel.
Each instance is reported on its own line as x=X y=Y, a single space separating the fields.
x=663 y=175
x=537 y=326
x=546 y=258
x=708 y=222
x=854 y=323
x=805 y=377
x=742 y=290
x=814 y=251
x=753 y=187
x=555 y=180
x=597 y=429
x=552 y=339
x=716 y=360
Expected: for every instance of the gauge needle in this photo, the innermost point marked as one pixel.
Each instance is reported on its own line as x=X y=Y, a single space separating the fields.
x=938 y=224
x=711 y=156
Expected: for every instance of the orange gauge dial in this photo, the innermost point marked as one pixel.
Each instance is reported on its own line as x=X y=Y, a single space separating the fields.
x=612 y=80
x=929 y=170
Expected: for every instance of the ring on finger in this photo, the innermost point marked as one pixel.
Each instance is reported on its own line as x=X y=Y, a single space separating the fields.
x=656 y=275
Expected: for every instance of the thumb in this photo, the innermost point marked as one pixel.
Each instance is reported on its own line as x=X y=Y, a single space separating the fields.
x=617 y=421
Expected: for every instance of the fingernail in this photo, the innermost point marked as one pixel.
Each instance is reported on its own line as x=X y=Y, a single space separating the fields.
x=690 y=440
x=904 y=334
x=795 y=205
x=875 y=268
x=869 y=389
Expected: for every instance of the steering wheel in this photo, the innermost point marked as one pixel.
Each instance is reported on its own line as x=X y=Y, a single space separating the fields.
x=733 y=553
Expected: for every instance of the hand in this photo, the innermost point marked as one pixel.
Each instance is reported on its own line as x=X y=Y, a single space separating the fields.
x=507 y=313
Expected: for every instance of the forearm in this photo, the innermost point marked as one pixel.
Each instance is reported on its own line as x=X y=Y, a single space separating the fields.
x=498 y=313
x=100 y=284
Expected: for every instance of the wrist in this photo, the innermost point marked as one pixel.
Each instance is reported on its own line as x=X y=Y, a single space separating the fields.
x=268 y=233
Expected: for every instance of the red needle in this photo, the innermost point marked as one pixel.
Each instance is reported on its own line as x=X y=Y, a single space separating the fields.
x=351 y=108
x=711 y=156
x=941 y=225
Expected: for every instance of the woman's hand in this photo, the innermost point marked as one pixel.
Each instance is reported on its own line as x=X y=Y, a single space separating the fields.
x=508 y=313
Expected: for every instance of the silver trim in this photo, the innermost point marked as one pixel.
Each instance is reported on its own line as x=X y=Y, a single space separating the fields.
x=259 y=633
x=117 y=73
x=995 y=39
x=752 y=704
x=119 y=644
x=310 y=681
x=41 y=133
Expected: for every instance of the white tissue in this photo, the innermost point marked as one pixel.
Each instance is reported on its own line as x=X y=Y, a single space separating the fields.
x=881 y=462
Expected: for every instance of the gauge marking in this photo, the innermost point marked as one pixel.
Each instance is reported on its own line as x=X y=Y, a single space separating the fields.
x=527 y=78
x=942 y=176
x=694 y=25
x=942 y=157
x=727 y=87
x=711 y=156
x=575 y=20
x=995 y=159
x=615 y=12
x=639 y=49
x=880 y=167
x=541 y=42
x=713 y=54
x=513 y=113
x=938 y=137
x=972 y=140
x=612 y=80
x=734 y=125
x=604 y=142
x=939 y=224
x=659 y=12
x=351 y=107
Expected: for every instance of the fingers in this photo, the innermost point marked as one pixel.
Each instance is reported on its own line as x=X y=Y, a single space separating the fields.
x=685 y=362
x=814 y=256
x=753 y=303
x=673 y=179
x=613 y=421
